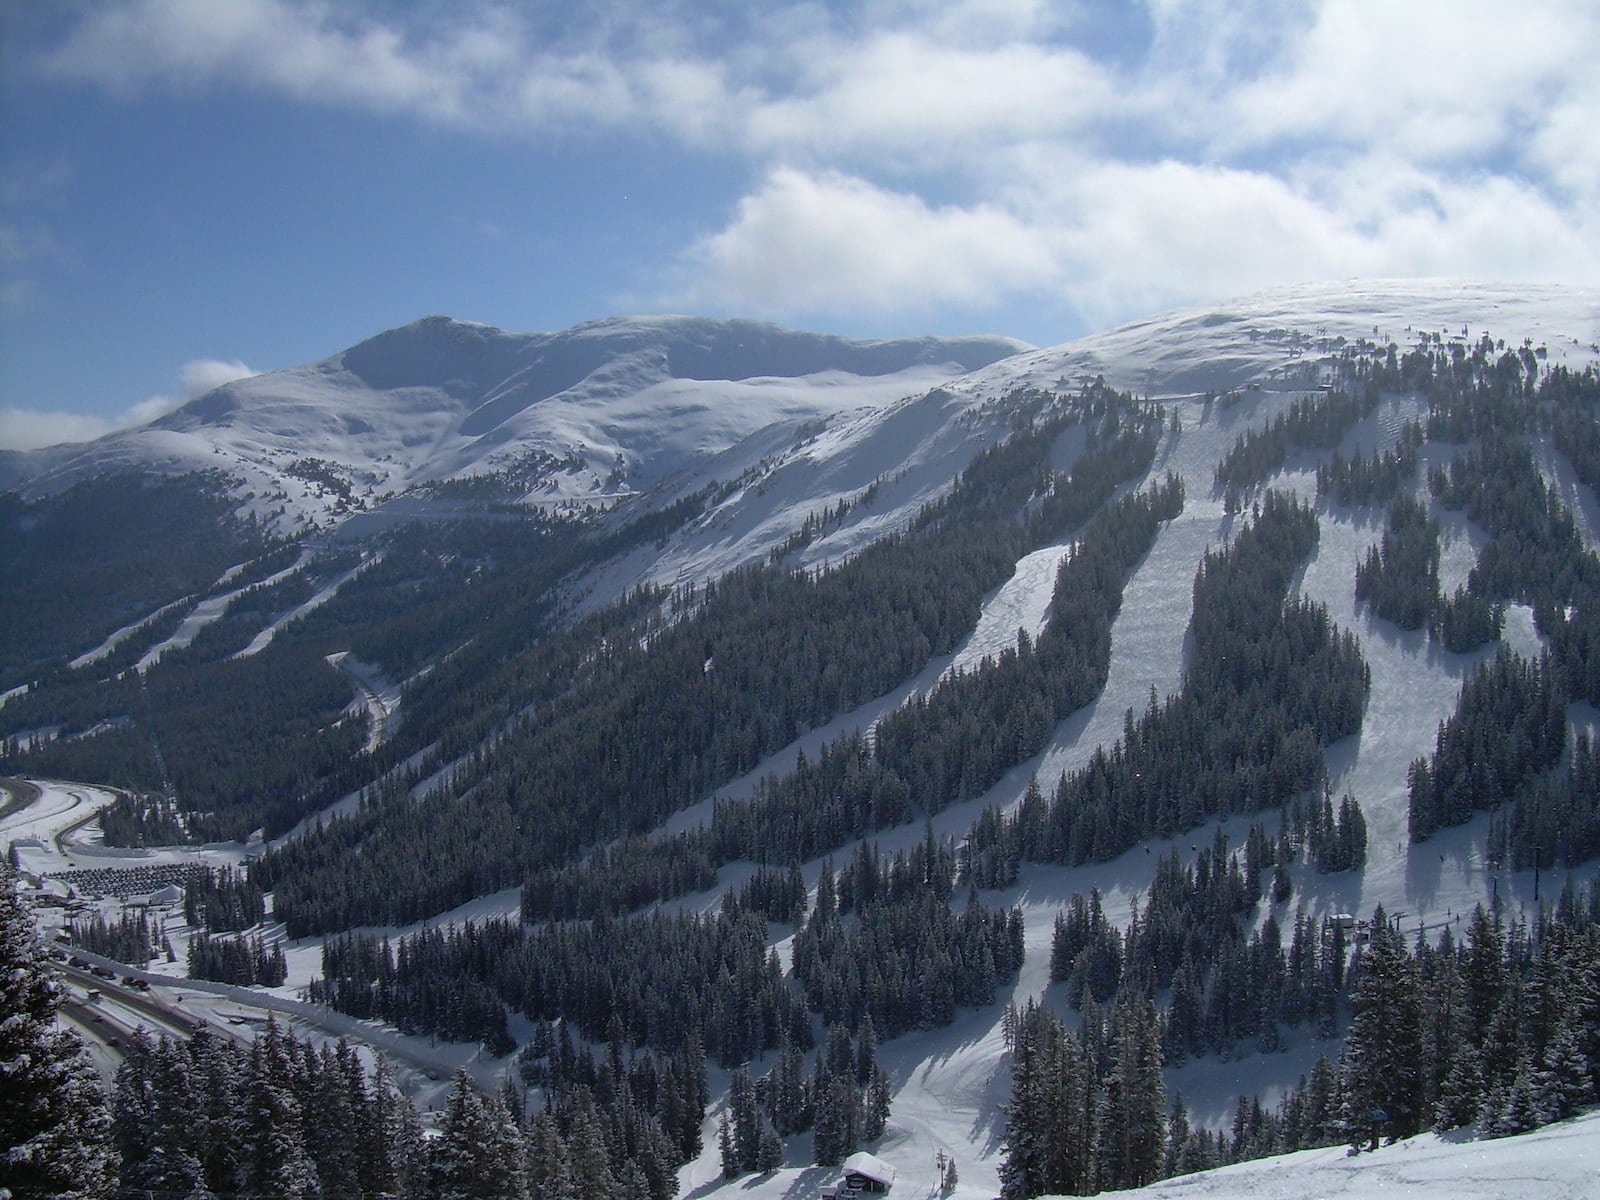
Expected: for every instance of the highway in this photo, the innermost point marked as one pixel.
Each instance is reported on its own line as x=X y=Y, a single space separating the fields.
x=157 y=1016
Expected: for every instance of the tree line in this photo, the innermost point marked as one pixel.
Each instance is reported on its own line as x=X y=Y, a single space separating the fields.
x=952 y=743
x=1196 y=940
x=627 y=736
x=1498 y=1027
x=1270 y=682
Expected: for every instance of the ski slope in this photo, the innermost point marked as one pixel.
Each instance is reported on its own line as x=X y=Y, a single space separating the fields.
x=949 y=1083
x=1558 y=1162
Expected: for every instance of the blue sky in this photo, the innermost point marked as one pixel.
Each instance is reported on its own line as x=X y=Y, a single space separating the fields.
x=191 y=190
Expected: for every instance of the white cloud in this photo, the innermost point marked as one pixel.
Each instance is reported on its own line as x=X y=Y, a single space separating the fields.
x=1112 y=240
x=1438 y=81
x=921 y=153
x=1128 y=238
x=914 y=99
x=201 y=375
x=29 y=429
x=195 y=378
x=804 y=243
x=301 y=51
x=484 y=68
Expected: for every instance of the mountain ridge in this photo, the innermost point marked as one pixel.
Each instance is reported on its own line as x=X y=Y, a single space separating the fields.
x=440 y=399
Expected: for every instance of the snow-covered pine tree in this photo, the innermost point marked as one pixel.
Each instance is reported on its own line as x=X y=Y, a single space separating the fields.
x=1049 y=1121
x=587 y=1149
x=216 y=1081
x=478 y=1154
x=769 y=1146
x=1136 y=1109
x=744 y=1116
x=875 y=1105
x=837 y=1126
x=632 y=1183
x=1570 y=1082
x=1383 y=1049
x=393 y=1151
x=1461 y=1095
x=549 y=1170
x=54 y=1124
x=273 y=1162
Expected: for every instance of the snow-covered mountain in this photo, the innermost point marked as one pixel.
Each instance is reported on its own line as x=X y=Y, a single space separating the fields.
x=606 y=408
x=1280 y=341
x=790 y=428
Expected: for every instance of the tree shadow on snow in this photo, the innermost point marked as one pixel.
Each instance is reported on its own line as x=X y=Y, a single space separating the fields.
x=809 y=1182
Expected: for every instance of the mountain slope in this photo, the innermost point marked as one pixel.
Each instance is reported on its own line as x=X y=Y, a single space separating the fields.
x=811 y=498
x=605 y=408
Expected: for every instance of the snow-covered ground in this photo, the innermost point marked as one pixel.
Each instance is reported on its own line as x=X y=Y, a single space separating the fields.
x=1558 y=1162
x=604 y=409
x=325 y=593
x=56 y=808
x=60 y=832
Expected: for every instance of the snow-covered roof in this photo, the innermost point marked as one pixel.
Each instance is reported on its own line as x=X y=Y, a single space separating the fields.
x=169 y=894
x=870 y=1165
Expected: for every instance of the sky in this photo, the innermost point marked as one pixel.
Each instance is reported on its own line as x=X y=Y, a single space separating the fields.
x=195 y=190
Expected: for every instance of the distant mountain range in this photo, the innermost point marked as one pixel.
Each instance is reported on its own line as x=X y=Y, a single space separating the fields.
x=602 y=409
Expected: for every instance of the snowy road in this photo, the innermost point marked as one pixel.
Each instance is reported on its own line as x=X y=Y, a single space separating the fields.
x=54 y=812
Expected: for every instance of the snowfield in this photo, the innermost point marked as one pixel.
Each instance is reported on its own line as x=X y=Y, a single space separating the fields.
x=1558 y=1162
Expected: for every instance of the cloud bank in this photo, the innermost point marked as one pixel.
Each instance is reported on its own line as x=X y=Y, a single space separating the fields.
x=906 y=155
x=31 y=429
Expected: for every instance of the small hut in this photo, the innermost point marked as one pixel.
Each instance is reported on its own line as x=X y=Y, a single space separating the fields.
x=864 y=1175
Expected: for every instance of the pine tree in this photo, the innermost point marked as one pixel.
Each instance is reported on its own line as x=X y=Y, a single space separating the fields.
x=1461 y=1095
x=1522 y=1110
x=54 y=1124
x=836 y=1129
x=339 y=1096
x=1136 y=1110
x=875 y=1105
x=478 y=1154
x=549 y=1171
x=726 y=1153
x=216 y=1076
x=1569 y=1080
x=393 y=1156
x=1322 y=1114
x=1049 y=1122
x=769 y=1147
x=274 y=1164
x=1178 y=1134
x=587 y=1150
x=632 y=1183
x=1383 y=1082
x=135 y=1115
x=745 y=1119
